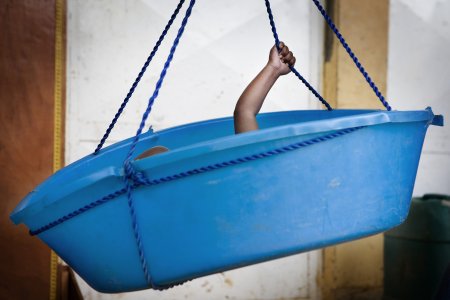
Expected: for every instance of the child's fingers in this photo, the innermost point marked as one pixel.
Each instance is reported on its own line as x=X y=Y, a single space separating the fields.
x=285 y=55
x=284 y=51
x=287 y=58
x=292 y=61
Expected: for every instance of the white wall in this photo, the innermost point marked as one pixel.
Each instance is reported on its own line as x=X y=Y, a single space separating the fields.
x=225 y=44
x=419 y=76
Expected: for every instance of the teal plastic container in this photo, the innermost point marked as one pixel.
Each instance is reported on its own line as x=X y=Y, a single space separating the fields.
x=417 y=253
x=306 y=180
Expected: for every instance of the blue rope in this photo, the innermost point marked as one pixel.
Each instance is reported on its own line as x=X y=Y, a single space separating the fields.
x=79 y=211
x=352 y=55
x=129 y=172
x=160 y=82
x=138 y=78
x=277 y=44
x=137 y=236
x=140 y=180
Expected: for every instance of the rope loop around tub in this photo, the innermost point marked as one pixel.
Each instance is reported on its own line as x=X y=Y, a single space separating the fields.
x=144 y=181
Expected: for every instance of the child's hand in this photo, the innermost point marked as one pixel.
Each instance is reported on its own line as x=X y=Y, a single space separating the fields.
x=281 y=61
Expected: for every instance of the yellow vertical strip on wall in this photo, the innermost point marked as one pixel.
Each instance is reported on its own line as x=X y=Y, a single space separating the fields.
x=354 y=270
x=57 y=129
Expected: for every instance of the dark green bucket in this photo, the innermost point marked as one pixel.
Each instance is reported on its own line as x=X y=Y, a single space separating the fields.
x=417 y=253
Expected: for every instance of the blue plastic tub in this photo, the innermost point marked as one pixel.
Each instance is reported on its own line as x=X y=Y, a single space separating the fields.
x=325 y=192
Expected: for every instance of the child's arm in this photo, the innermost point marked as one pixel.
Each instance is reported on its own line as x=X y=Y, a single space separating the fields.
x=253 y=96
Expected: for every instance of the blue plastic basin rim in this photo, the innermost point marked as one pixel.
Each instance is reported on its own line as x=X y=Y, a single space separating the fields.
x=364 y=118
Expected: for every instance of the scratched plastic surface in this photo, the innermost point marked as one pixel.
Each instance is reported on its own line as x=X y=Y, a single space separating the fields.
x=334 y=191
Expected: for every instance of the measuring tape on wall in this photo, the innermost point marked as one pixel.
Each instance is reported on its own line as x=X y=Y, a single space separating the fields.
x=57 y=125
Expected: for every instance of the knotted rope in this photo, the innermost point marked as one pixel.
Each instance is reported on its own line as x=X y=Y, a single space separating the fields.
x=130 y=173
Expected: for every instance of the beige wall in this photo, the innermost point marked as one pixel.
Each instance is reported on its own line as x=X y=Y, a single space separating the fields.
x=355 y=270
